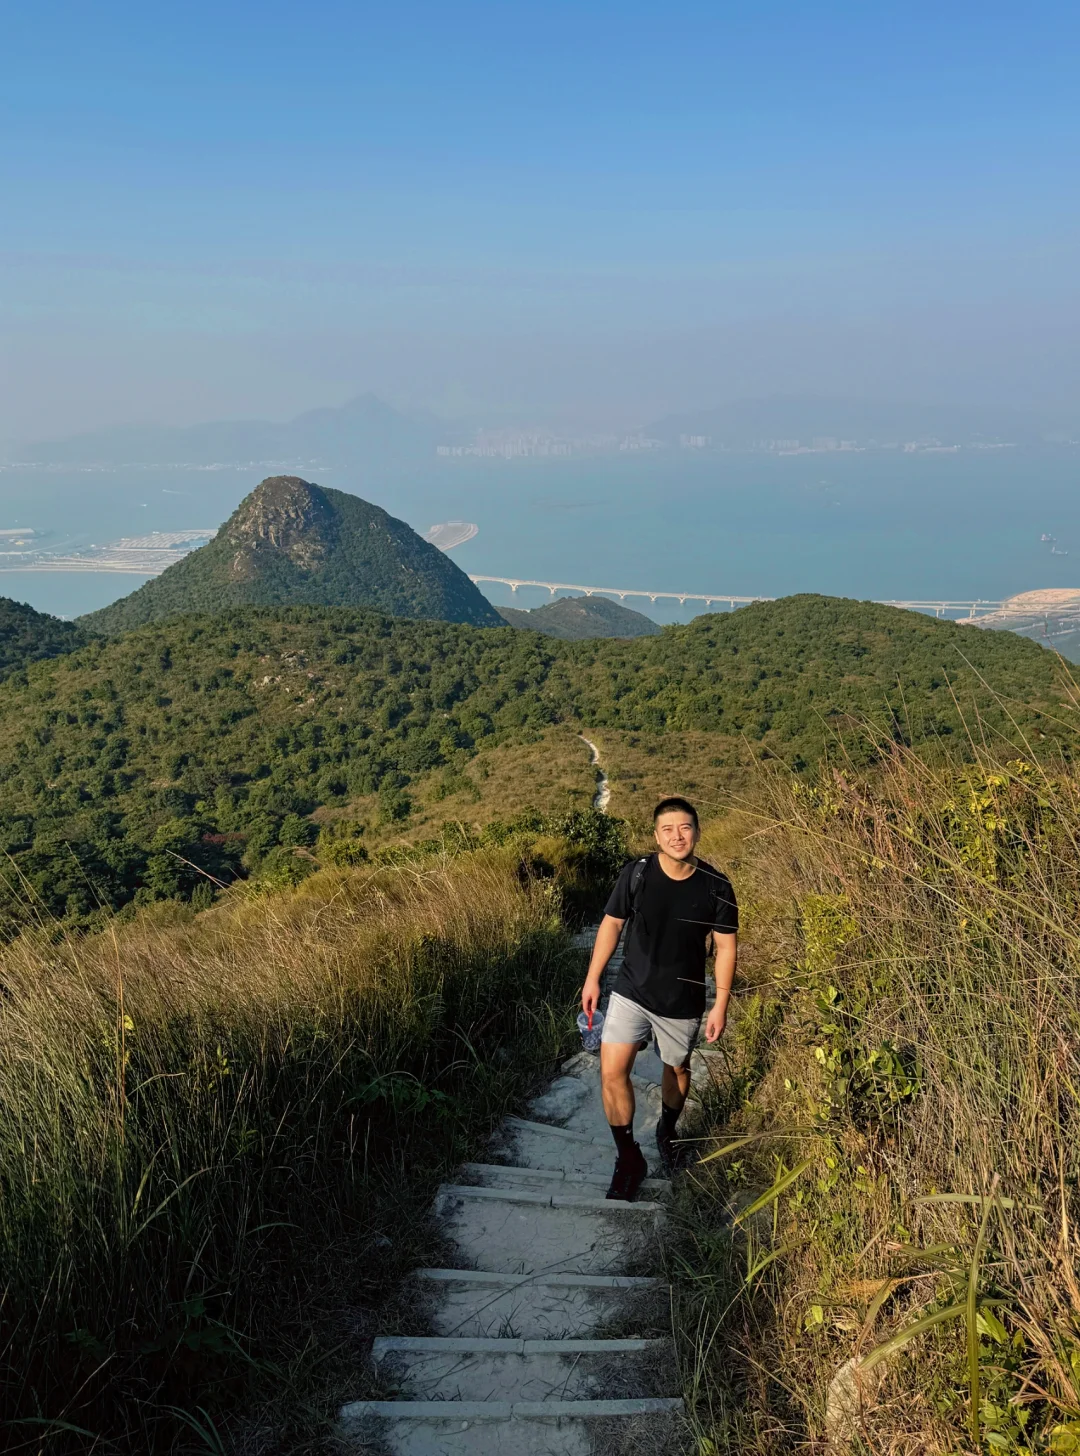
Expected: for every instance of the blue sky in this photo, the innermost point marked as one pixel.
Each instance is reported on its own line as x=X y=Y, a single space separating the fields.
x=562 y=210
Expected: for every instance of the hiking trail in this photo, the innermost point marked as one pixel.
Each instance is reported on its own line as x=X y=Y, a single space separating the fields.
x=519 y=1360
x=602 y=797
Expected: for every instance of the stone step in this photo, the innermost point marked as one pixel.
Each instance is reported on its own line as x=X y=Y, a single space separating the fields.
x=502 y=1428
x=511 y=1175
x=535 y=1233
x=470 y=1368
x=549 y=1129
x=547 y=1198
x=505 y=1410
x=554 y=1281
x=473 y=1302
x=537 y=1145
x=543 y=1145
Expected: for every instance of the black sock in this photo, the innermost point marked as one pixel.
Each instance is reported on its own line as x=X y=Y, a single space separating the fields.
x=669 y=1116
x=624 y=1138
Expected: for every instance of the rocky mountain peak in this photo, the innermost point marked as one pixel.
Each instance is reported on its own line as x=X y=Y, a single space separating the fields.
x=286 y=513
x=293 y=543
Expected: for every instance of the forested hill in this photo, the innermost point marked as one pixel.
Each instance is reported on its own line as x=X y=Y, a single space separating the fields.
x=211 y=738
x=28 y=636
x=573 y=619
x=291 y=542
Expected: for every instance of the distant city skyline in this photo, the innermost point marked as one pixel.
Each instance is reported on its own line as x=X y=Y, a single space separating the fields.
x=534 y=212
x=367 y=430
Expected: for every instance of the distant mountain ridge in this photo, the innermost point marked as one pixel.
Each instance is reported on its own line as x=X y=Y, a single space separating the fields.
x=294 y=543
x=576 y=619
x=365 y=428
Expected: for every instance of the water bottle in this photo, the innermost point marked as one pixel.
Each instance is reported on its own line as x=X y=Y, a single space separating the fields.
x=591 y=1028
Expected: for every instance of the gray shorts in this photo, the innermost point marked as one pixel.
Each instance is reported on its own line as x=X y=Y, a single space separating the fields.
x=626 y=1021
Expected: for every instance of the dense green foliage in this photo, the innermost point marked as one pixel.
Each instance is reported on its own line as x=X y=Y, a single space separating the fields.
x=137 y=767
x=573 y=619
x=28 y=636
x=290 y=542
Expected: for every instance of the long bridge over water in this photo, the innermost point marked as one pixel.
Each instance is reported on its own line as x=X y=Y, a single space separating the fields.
x=968 y=609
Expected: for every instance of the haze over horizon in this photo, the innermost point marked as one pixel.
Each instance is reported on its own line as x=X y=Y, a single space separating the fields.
x=573 y=213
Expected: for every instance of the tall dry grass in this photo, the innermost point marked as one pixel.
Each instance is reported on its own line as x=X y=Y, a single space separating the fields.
x=195 y=1107
x=915 y=1051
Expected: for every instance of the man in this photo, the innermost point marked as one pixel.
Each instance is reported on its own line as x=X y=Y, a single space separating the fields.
x=675 y=903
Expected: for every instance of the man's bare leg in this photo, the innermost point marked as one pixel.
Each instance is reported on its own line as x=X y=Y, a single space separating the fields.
x=675 y=1087
x=616 y=1064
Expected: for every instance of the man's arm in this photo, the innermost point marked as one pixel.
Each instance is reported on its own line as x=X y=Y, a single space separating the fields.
x=607 y=938
x=726 y=947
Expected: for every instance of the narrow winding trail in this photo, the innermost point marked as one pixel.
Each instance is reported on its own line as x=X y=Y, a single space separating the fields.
x=602 y=797
x=521 y=1359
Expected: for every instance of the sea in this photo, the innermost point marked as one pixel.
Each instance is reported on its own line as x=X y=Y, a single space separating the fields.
x=963 y=524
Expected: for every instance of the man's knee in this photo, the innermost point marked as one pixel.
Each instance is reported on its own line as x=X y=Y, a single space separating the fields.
x=615 y=1072
x=614 y=1076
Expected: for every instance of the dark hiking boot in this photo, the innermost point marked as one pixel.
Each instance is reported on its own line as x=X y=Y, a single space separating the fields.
x=669 y=1152
x=630 y=1172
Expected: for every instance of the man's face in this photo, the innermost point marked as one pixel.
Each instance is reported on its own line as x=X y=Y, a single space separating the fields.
x=676 y=835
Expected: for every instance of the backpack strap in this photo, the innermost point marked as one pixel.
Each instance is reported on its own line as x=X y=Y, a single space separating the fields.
x=637 y=874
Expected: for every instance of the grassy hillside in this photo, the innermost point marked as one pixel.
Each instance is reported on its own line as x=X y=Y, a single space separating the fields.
x=29 y=636
x=896 y=1121
x=222 y=1133
x=573 y=619
x=293 y=542
x=141 y=766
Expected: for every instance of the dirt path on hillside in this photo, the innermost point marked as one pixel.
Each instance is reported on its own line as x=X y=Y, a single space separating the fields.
x=602 y=797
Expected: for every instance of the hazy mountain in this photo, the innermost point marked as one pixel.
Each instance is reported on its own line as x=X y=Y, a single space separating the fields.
x=744 y=422
x=365 y=428
x=28 y=636
x=575 y=618
x=290 y=542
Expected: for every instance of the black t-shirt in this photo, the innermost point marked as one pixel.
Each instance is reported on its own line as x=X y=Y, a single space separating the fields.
x=663 y=965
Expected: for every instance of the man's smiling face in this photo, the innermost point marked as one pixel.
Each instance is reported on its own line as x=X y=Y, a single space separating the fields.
x=676 y=834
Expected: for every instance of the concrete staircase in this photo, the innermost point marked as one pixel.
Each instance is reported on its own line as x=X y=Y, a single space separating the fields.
x=518 y=1361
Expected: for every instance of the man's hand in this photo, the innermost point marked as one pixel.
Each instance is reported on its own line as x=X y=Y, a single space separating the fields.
x=714 y=1026
x=590 y=995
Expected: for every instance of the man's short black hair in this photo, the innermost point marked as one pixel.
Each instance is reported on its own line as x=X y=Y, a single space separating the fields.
x=676 y=806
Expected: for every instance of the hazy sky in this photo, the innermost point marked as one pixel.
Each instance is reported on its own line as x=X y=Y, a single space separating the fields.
x=579 y=209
